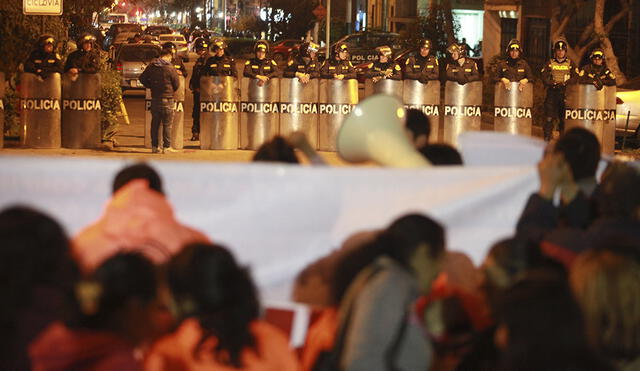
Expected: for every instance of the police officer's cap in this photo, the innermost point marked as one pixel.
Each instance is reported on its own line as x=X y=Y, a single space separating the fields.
x=218 y=43
x=340 y=47
x=560 y=45
x=86 y=38
x=424 y=43
x=597 y=53
x=46 y=39
x=513 y=44
x=261 y=45
x=454 y=48
x=169 y=46
x=312 y=47
x=384 y=51
x=200 y=44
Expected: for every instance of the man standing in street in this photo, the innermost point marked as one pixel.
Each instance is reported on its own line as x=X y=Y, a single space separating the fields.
x=162 y=79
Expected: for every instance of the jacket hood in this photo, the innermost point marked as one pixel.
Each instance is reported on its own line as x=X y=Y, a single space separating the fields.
x=159 y=62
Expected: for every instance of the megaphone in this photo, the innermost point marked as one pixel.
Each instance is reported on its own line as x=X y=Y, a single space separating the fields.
x=375 y=130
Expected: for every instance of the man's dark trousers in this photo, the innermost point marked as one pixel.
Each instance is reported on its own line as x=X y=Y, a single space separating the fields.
x=161 y=113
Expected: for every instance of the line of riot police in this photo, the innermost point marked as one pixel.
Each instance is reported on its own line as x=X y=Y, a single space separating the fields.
x=463 y=90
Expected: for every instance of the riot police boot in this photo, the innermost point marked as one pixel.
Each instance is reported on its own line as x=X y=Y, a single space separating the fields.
x=195 y=137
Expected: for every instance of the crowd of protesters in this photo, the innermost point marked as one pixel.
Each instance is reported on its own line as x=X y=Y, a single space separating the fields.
x=138 y=290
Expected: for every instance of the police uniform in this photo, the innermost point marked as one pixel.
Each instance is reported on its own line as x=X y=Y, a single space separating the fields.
x=332 y=67
x=467 y=72
x=264 y=67
x=304 y=65
x=194 y=85
x=422 y=68
x=179 y=65
x=84 y=61
x=379 y=69
x=598 y=75
x=43 y=64
x=514 y=70
x=221 y=66
x=556 y=74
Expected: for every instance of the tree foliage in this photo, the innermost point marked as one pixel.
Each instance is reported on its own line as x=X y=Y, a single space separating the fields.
x=290 y=19
x=439 y=26
x=594 y=34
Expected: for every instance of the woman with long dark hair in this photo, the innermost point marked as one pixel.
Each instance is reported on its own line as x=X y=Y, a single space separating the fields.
x=220 y=329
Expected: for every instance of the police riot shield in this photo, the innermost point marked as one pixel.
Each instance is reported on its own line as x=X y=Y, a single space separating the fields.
x=40 y=118
x=147 y=121
x=384 y=86
x=299 y=108
x=512 y=108
x=593 y=109
x=426 y=98
x=218 y=112
x=337 y=99
x=1 y=109
x=259 y=112
x=177 y=126
x=462 y=112
x=81 y=108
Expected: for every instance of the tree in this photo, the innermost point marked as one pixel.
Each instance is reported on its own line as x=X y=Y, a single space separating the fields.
x=595 y=33
x=439 y=26
x=291 y=19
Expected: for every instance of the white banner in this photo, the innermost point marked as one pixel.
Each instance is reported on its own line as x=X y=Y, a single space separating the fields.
x=278 y=218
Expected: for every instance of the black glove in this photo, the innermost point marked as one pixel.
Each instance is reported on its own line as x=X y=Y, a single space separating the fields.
x=424 y=80
x=598 y=83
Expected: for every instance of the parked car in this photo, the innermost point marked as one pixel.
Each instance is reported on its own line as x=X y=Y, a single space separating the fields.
x=179 y=41
x=117 y=28
x=282 y=50
x=362 y=45
x=157 y=30
x=628 y=102
x=131 y=60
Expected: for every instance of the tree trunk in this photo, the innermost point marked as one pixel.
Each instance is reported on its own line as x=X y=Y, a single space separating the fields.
x=603 y=37
x=448 y=24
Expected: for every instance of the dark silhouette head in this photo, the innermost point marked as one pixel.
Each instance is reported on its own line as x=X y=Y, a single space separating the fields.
x=581 y=150
x=618 y=194
x=419 y=127
x=138 y=171
x=207 y=283
x=276 y=150
x=441 y=154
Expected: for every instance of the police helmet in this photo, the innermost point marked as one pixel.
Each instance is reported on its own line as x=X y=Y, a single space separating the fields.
x=384 y=51
x=170 y=46
x=46 y=39
x=560 y=45
x=455 y=48
x=339 y=47
x=597 y=53
x=513 y=44
x=307 y=48
x=261 y=45
x=424 y=43
x=86 y=38
x=200 y=44
x=137 y=35
x=218 y=43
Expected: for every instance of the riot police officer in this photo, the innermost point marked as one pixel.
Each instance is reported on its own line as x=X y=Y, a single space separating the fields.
x=176 y=60
x=422 y=67
x=202 y=49
x=514 y=68
x=596 y=73
x=44 y=61
x=384 y=67
x=220 y=64
x=556 y=74
x=304 y=65
x=84 y=60
x=338 y=66
x=460 y=68
x=260 y=67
